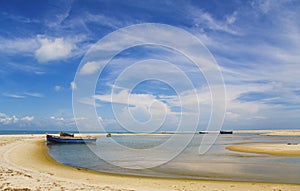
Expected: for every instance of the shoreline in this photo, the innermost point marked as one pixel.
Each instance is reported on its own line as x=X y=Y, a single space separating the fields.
x=26 y=158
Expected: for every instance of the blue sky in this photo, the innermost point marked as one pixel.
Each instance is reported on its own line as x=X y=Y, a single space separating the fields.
x=256 y=44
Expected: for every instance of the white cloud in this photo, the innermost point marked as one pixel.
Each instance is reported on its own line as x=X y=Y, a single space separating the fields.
x=65 y=120
x=57 y=88
x=53 y=49
x=27 y=118
x=145 y=112
x=73 y=86
x=124 y=97
x=57 y=118
x=8 y=120
x=3 y=115
x=14 y=119
x=89 y=68
x=138 y=106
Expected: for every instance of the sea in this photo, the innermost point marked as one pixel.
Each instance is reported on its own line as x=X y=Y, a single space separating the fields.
x=216 y=164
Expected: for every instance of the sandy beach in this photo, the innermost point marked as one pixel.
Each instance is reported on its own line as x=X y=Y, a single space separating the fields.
x=26 y=165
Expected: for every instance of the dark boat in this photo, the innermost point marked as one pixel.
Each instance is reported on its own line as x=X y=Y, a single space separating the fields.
x=68 y=139
x=203 y=132
x=226 y=132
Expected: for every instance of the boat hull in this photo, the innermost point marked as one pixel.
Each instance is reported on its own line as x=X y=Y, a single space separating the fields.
x=54 y=139
x=226 y=132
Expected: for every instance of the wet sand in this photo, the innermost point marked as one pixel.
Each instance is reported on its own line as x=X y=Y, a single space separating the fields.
x=26 y=165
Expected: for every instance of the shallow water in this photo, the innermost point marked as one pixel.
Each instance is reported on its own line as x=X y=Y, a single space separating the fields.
x=217 y=164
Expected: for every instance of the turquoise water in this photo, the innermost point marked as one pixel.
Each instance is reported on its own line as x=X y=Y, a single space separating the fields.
x=217 y=164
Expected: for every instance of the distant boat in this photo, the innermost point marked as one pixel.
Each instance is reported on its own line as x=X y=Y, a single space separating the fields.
x=226 y=132
x=69 y=139
x=64 y=134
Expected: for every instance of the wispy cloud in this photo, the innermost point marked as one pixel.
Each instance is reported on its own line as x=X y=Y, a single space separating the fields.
x=19 y=18
x=256 y=44
x=32 y=94
x=14 y=95
x=100 y=19
x=265 y=6
x=204 y=20
x=17 y=45
x=262 y=60
x=23 y=95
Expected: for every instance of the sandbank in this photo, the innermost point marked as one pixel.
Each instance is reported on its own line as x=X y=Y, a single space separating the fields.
x=26 y=165
x=283 y=133
x=289 y=149
x=293 y=132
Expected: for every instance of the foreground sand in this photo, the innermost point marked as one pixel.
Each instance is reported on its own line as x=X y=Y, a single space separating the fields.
x=26 y=165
